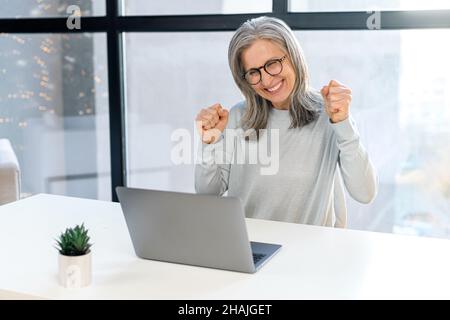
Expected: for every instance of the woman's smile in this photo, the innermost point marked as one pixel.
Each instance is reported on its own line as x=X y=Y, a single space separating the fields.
x=275 y=89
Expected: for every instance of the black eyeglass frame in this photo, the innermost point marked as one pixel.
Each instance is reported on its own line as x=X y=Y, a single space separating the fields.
x=280 y=60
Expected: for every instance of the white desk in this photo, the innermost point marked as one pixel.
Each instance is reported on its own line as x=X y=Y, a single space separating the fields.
x=314 y=263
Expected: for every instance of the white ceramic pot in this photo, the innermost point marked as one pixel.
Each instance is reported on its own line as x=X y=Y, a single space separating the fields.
x=75 y=271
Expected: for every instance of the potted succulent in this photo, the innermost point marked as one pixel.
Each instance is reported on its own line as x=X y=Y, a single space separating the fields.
x=74 y=260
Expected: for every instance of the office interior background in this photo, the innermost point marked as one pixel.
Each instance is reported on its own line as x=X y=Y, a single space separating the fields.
x=91 y=109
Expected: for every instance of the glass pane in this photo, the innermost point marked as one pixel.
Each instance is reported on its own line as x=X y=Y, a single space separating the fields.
x=170 y=77
x=401 y=103
x=54 y=110
x=180 y=7
x=50 y=8
x=358 y=5
x=404 y=123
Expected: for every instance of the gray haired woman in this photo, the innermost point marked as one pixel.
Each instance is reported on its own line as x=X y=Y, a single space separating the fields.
x=317 y=146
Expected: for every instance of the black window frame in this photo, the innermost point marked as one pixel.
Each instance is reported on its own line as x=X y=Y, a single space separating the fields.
x=114 y=25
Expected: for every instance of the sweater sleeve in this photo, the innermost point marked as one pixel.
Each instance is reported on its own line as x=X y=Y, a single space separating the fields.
x=212 y=171
x=213 y=163
x=357 y=170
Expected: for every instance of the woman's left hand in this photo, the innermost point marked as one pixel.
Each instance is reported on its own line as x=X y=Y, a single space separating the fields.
x=337 y=98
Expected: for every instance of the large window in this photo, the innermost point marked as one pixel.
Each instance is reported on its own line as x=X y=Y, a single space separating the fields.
x=403 y=122
x=54 y=110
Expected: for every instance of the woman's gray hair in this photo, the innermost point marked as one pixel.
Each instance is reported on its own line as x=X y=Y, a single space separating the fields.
x=304 y=104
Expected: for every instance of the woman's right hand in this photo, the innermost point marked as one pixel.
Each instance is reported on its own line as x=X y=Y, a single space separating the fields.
x=211 y=122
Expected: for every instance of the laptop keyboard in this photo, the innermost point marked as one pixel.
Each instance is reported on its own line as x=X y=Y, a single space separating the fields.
x=257 y=257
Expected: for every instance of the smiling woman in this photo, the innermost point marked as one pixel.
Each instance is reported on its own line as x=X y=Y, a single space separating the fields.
x=256 y=42
x=318 y=145
x=277 y=83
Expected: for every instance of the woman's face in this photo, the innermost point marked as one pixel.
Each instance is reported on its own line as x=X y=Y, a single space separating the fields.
x=278 y=88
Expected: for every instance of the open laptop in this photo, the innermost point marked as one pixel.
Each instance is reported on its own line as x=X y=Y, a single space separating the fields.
x=194 y=229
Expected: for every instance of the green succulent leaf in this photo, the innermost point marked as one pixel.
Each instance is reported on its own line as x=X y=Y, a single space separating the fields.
x=74 y=241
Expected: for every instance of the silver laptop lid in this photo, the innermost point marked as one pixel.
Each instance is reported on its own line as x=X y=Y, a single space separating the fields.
x=195 y=229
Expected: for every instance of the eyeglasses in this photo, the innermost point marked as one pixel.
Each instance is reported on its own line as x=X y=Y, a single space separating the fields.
x=272 y=67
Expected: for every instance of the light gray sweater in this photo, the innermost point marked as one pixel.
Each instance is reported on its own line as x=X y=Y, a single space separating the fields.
x=307 y=187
